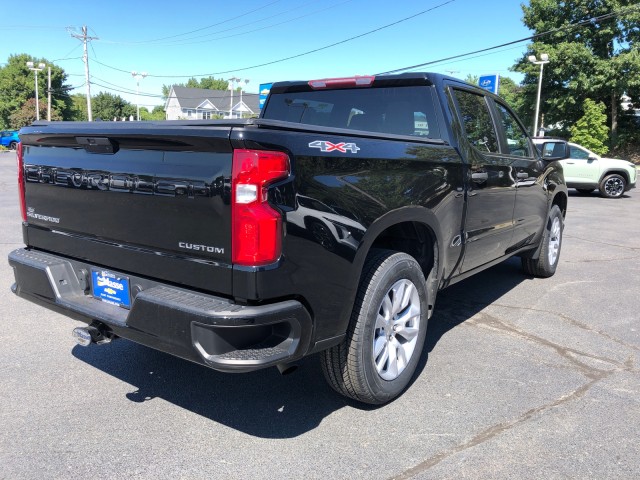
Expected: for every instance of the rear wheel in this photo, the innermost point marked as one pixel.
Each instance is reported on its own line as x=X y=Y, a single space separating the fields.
x=613 y=186
x=585 y=191
x=545 y=265
x=13 y=145
x=379 y=355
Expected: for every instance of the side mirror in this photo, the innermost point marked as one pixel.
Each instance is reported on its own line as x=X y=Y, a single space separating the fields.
x=554 y=150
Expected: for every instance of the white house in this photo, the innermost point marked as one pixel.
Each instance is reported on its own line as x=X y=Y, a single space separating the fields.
x=199 y=104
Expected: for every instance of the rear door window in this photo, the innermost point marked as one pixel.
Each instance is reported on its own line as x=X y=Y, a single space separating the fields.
x=394 y=110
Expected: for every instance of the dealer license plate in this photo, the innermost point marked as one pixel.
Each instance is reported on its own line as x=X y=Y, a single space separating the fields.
x=111 y=288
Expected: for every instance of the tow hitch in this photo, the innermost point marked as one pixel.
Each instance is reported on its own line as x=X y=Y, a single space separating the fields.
x=94 y=333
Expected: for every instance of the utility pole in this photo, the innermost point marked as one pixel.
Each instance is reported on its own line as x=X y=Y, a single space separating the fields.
x=49 y=93
x=85 y=58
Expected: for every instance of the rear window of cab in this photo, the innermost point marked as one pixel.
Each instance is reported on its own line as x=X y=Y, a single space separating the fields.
x=386 y=110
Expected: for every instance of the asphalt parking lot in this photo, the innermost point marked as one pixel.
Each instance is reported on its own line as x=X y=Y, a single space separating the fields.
x=522 y=378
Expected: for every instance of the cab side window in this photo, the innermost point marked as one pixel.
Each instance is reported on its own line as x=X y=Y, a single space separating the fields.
x=517 y=140
x=476 y=119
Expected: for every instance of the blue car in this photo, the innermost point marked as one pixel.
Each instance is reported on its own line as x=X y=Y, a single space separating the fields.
x=9 y=139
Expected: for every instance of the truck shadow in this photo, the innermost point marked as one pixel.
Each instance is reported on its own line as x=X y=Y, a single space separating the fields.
x=264 y=403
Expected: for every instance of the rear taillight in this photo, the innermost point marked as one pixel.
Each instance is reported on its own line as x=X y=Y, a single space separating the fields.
x=345 y=82
x=256 y=226
x=23 y=202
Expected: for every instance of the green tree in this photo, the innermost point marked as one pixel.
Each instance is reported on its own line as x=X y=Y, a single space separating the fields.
x=591 y=129
x=17 y=86
x=513 y=95
x=26 y=114
x=600 y=60
x=472 y=79
x=107 y=106
x=78 y=111
x=156 y=114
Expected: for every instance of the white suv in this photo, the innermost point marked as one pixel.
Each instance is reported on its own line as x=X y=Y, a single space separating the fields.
x=585 y=171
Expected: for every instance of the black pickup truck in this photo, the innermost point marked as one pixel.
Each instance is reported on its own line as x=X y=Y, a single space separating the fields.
x=327 y=225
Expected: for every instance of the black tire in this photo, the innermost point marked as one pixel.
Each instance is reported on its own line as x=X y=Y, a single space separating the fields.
x=547 y=262
x=13 y=145
x=585 y=191
x=351 y=367
x=613 y=186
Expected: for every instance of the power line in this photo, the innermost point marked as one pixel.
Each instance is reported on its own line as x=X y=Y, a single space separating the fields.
x=66 y=89
x=121 y=89
x=64 y=59
x=22 y=27
x=388 y=25
x=478 y=56
x=532 y=37
x=153 y=95
x=188 y=41
x=207 y=27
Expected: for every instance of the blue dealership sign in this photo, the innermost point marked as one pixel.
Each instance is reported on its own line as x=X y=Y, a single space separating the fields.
x=490 y=82
x=265 y=88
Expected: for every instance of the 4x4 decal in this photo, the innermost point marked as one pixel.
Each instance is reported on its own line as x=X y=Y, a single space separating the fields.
x=325 y=146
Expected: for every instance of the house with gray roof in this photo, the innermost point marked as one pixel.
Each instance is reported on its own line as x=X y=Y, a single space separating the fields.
x=200 y=104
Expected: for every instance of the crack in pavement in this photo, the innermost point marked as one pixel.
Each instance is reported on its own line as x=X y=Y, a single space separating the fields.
x=495 y=430
x=564 y=352
x=600 y=260
x=626 y=247
x=567 y=318
x=594 y=375
x=575 y=323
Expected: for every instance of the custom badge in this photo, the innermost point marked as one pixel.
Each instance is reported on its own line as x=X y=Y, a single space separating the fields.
x=342 y=147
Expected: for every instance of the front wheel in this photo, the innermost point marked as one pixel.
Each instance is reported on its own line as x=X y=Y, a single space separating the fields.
x=613 y=186
x=379 y=355
x=13 y=145
x=547 y=262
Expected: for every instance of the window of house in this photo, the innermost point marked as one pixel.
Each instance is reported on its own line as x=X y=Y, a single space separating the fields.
x=207 y=115
x=476 y=120
x=189 y=113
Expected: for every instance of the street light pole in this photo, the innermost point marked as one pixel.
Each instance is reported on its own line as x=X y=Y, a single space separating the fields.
x=544 y=58
x=37 y=69
x=232 y=80
x=246 y=82
x=138 y=76
x=49 y=93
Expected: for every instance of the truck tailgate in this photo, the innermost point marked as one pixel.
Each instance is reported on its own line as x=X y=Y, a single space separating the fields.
x=147 y=199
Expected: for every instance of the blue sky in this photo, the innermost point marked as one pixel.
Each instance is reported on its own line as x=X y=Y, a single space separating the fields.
x=227 y=37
